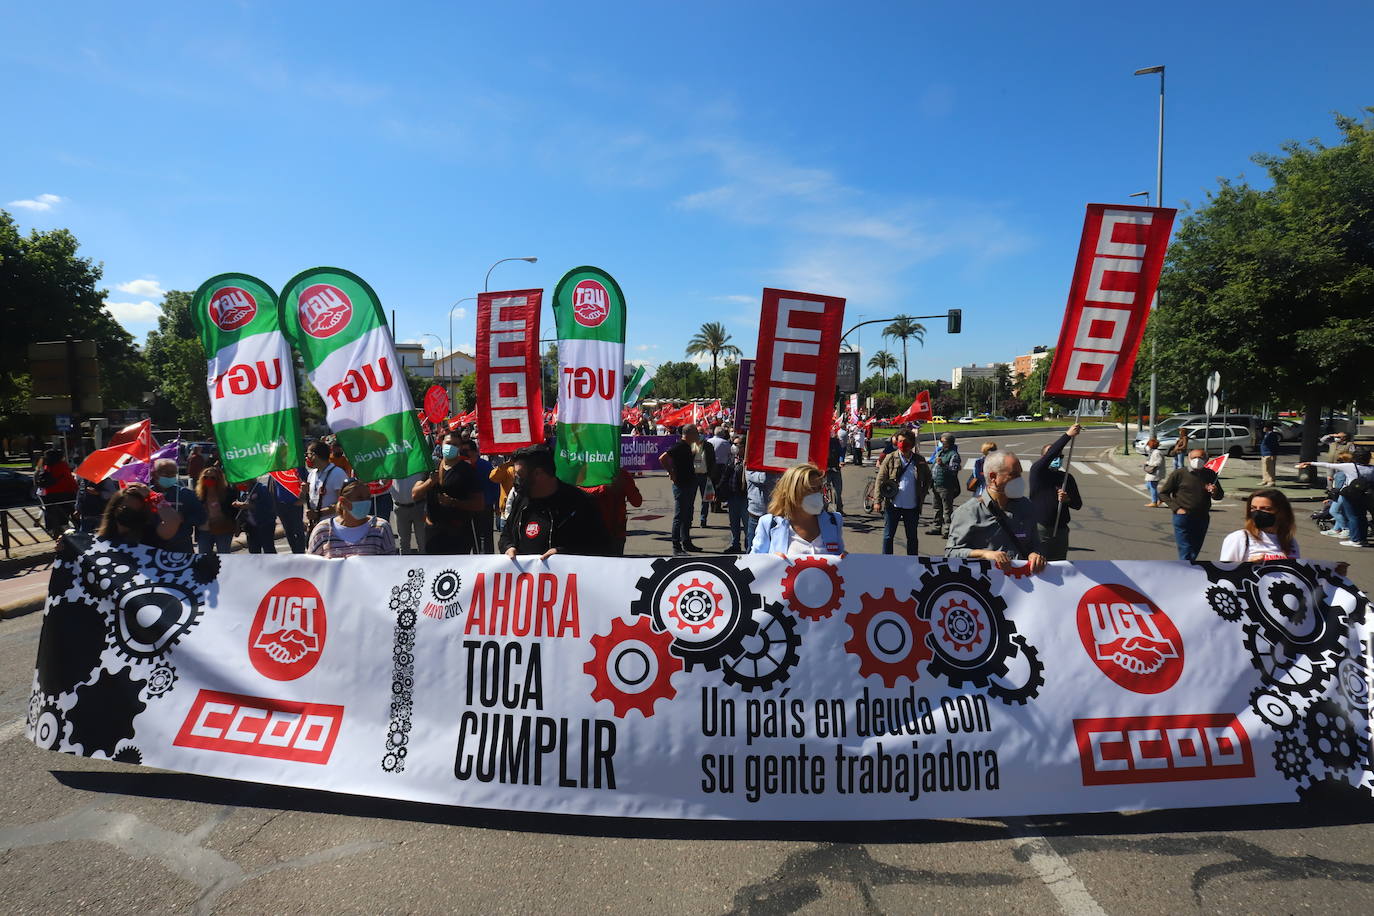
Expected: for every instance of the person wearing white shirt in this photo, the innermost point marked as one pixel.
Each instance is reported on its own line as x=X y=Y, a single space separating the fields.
x=410 y=513
x=1268 y=533
x=797 y=523
x=323 y=485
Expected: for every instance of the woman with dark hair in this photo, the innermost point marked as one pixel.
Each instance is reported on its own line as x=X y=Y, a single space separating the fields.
x=354 y=531
x=1269 y=532
x=56 y=489
x=129 y=518
x=216 y=533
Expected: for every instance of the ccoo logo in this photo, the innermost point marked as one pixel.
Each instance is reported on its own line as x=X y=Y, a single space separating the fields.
x=231 y=308
x=1130 y=638
x=288 y=631
x=324 y=310
x=591 y=303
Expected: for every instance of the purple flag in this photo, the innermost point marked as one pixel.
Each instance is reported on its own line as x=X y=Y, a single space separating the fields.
x=140 y=471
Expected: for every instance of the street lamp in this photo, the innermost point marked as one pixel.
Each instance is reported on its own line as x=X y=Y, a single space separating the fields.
x=451 y=309
x=502 y=261
x=1159 y=198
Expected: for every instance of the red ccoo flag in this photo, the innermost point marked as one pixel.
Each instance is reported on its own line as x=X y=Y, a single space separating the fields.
x=920 y=408
x=132 y=443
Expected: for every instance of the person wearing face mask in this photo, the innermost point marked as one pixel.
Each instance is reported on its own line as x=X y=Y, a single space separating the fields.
x=797 y=523
x=484 y=518
x=1268 y=533
x=129 y=520
x=1354 y=494
x=1054 y=493
x=322 y=483
x=1189 y=492
x=354 y=531
x=903 y=479
x=998 y=526
x=944 y=475
x=548 y=516
x=686 y=463
x=734 y=494
x=178 y=506
x=216 y=533
x=453 y=495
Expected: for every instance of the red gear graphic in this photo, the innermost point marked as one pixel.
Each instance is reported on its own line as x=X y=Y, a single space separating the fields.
x=943 y=615
x=716 y=609
x=599 y=667
x=789 y=591
x=1022 y=571
x=869 y=662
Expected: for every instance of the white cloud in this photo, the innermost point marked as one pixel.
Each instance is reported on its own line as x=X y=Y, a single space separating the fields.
x=147 y=286
x=645 y=348
x=134 y=315
x=40 y=204
x=738 y=299
x=460 y=313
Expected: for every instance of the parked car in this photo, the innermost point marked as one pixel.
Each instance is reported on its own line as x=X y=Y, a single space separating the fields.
x=1289 y=430
x=968 y=420
x=1025 y=419
x=1168 y=429
x=16 y=488
x=1001 y=419
x=1215 y=439
x=938 y=420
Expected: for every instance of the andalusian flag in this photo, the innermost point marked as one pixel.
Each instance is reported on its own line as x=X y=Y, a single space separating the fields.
x=638 y=387
x=589 y=310
x=336 y=322
x=250 y=376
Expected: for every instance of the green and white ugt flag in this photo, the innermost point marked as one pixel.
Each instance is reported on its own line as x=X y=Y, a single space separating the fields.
x=638 y=387
x=589 y=309
x=249 y=374
x=336 y=322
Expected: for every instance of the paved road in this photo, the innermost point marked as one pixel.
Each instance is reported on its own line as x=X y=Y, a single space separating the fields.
x=90 y=836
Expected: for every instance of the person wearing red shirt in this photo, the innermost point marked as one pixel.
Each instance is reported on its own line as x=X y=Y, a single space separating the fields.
x=611 y=500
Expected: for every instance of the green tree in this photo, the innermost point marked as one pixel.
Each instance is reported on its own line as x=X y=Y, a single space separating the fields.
x=48 y=292
x=467 y=393
x=176 y=361
x=904 y=328
x=1273 y=287
x=679 y=380
x=712 y=340
x=884 y=362
x=550 y=366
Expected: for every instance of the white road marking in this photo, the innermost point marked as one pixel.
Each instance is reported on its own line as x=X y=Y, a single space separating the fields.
x=1053 y=870
x=1113 y=469
x=1082 y=467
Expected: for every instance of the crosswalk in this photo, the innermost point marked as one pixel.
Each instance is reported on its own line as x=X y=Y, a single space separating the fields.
x=1092 y=469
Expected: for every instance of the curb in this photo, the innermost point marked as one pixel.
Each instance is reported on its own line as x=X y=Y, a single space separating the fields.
x=23 y=608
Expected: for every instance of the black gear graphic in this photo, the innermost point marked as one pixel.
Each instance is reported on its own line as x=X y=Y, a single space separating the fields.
x=205 y=568
x=406 y=639
x=396 y=603
x=161 y=679
x=1289 y=671
x=128 y=754
x=168 y=561
x=105 y=711
x=1288 y=599
x=391 y=763
x=48 y=727
x=1274 y=709
x=1290 y=757
x=725 y=636
x=1353 y=678
x=1234 y=573
x=1031 y=688
x=149 y=620
x=770 y=651
x=103 y=573
x=1331 y=735
x=939 y=588
x=445 y=586
x=1225 y=601
x=406 y=619
x=70 y=653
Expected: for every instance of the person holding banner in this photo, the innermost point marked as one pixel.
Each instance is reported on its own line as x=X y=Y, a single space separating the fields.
x=548 y=516
x=354 y=531
x=1189 y=493
x=999 y=526
x=129 y=520
x=797 y=523
x=179 y=508
x=453 y=495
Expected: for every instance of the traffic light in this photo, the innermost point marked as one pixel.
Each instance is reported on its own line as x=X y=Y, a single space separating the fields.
x=956 y=320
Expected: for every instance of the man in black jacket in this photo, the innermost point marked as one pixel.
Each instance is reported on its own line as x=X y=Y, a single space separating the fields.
x=548 y=516
x=1189 y=492
x=1053 y=493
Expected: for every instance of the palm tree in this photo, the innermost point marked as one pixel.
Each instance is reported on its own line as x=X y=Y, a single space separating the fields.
x=715 y=340
x=903 y=328
x=883 y=361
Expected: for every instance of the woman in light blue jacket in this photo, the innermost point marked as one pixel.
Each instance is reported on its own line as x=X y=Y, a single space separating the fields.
x=797 y=523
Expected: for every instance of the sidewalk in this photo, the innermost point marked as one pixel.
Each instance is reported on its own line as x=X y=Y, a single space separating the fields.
x=1239 y=477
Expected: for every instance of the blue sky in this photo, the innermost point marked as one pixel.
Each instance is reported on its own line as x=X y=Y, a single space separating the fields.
x=910 y=156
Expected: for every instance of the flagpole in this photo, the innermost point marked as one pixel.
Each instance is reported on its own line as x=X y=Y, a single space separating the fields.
x=1059 y=503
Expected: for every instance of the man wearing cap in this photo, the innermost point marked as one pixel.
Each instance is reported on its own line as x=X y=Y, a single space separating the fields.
x=944 y=489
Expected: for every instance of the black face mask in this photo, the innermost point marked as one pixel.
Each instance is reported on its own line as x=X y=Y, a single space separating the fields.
x=1263 y=519
x=133 y=519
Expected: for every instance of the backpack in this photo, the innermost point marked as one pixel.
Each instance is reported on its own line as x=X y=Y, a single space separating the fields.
x=1356 y=492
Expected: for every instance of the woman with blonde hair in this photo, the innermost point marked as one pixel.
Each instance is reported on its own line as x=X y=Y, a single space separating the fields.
x=216 y=533
x=353 y=531
x=797 y=523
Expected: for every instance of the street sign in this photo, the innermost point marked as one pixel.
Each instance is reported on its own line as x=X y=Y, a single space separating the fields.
x=847 y=375
x=1213 y=405
x=1213 y=384
x=64 y=422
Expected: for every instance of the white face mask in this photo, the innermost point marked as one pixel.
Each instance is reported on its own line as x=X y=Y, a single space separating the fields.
x=1014 y=488
x=813 y=503
x=1195 y=463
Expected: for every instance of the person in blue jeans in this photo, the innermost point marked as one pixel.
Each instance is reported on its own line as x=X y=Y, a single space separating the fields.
x=682 y=462
x=1189 y=493
x=1354 y=505
x=903 y=479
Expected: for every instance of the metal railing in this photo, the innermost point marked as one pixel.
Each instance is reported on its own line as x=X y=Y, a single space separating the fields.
x=22 y=526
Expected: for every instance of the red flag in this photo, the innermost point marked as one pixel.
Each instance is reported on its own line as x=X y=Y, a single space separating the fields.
x=132 y=443
x=289 y=480
x=1119 y=259
x=1216 y=464
x=794 y=378
x=510 y=401
x=920 y=408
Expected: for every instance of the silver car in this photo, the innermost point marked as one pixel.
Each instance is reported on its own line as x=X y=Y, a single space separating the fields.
x=1215 y=439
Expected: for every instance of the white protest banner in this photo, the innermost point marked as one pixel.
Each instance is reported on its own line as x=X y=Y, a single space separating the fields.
x=510 y=399
x=794 y=380
x=870 y=687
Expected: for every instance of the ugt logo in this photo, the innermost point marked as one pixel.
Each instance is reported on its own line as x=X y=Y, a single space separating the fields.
x=288 y=631
x=324 y=310
x=1130 y=639
x=231 y=308
x=591 y=303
